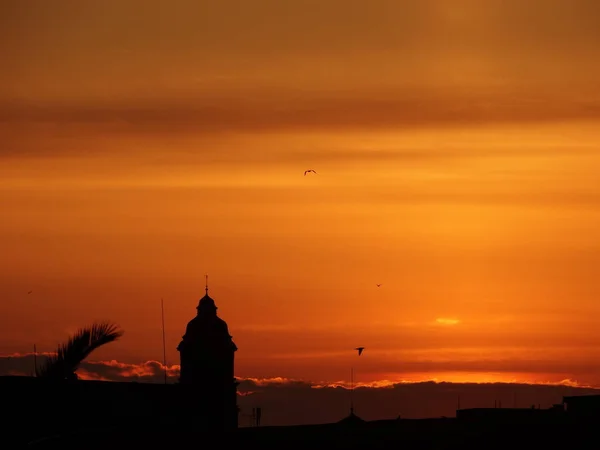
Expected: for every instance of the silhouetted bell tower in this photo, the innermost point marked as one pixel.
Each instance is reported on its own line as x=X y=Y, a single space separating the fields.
x=207 y=354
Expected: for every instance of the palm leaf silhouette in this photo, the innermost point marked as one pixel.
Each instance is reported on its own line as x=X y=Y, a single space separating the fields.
x=70 y=354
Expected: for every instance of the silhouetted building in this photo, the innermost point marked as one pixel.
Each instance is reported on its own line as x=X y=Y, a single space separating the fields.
x=583 y=407
x=511 y=415
x=207 y=367
x=352 y=420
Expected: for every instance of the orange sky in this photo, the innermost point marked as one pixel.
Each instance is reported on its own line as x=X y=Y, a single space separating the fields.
x=146 y=143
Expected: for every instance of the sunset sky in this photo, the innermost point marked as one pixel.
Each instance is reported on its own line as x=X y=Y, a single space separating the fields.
x=144 y=144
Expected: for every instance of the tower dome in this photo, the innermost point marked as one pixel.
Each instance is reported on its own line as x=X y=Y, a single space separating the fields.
x=206 y=304
x=207 y=364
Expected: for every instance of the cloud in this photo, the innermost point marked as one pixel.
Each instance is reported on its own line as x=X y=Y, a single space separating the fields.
x=147 y=372
x=401 y=110
x=116 y=47
x=340 y=63
x=428 y=368
x=288 y=401
x=21 y=364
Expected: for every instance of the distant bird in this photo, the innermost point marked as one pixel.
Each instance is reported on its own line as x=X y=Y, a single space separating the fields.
x=360 y=350
x=379 y=285
x=29 y=292
x=310 y=170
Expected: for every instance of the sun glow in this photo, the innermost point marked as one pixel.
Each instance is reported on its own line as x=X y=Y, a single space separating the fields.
x=447 y=321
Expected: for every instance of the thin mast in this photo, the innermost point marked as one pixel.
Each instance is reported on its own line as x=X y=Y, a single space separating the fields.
x=162 y=308
x=206 y=284
x=352 y=390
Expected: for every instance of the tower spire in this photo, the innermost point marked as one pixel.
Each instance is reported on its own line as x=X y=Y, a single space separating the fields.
x=206 y=284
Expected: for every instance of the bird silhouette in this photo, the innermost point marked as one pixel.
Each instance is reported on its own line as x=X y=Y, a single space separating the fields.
x=379 y=285
x=360 y=350
x=30 y=292
x=310 y=170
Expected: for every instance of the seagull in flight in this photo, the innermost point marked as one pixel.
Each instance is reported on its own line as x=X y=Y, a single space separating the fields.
x=379 y=285
x=310 y=170
x=360 y=350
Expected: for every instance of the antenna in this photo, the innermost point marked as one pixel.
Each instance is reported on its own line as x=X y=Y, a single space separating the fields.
x=258 y=416
x=206 y=284
x=35 y=372
x=162 y=309
x=352 y=390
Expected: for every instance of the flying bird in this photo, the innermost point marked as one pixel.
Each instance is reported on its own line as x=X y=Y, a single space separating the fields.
x=30 y=292
x=310 y=170
x=379 y=285
x=360 y=350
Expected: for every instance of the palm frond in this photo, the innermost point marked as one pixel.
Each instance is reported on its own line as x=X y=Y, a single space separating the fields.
x=70 y=354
